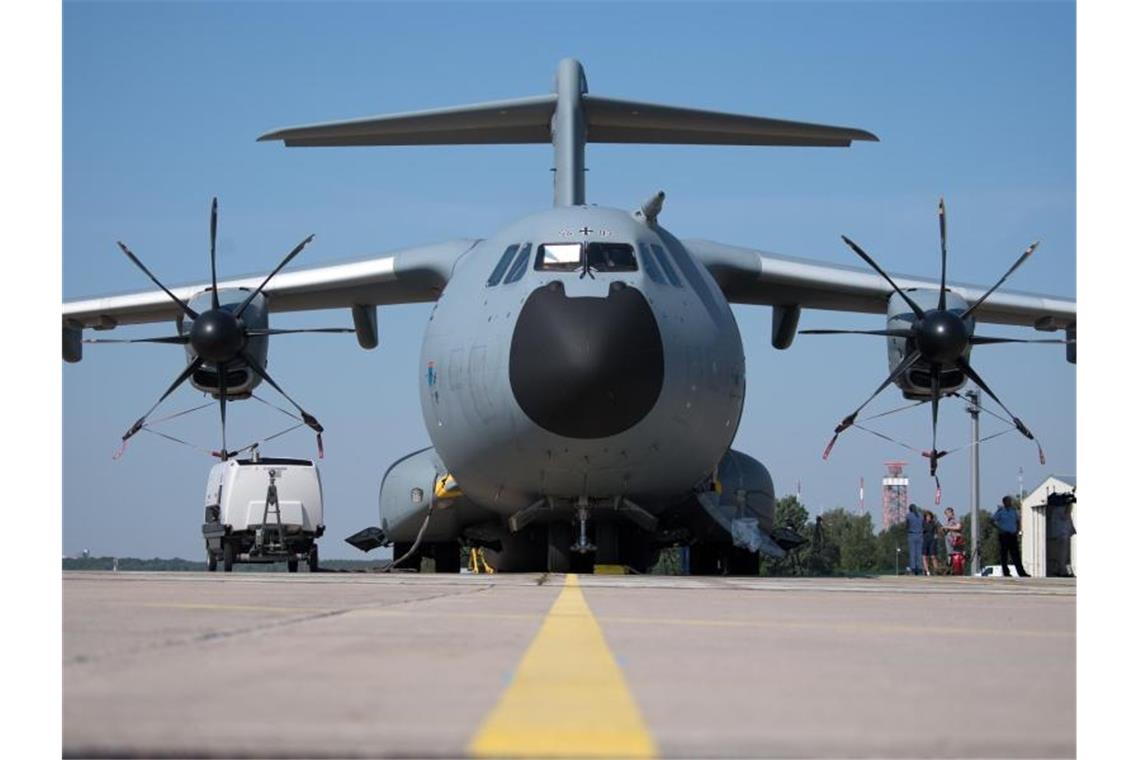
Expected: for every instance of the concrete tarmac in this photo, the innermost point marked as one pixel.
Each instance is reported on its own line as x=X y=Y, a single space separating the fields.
x=364 y=665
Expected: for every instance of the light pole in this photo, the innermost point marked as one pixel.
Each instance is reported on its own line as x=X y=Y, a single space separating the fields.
x=898 y=551
x=973 y=408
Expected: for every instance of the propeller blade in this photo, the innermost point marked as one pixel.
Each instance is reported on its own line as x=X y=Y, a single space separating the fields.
x=936 y=391
x=980 y=340
x=213 y=261
x=918 y=312
x=185 y=309
x=895 y=333
x=970 y=373
x=173 y=339
x=260 y=332
x=849 y=420
x=191 y=368
x=222 y=403
x=1021 y=260
x=307 y=418
x=280 y=266
x=942 y=236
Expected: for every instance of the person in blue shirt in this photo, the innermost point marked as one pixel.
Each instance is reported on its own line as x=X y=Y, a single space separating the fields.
x=914 y=539
x=1008 y=523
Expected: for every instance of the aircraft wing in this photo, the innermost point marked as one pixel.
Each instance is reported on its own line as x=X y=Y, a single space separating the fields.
x=758 y=277
x=411 y=275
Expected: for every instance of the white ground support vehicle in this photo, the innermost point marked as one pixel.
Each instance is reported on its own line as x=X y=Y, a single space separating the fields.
x=263 y=510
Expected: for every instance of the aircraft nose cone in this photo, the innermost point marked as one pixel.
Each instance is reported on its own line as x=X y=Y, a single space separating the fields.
x=586 y=367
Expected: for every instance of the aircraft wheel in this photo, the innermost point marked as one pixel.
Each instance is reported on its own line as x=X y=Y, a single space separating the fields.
x=229 y=553
x=446 y=557
x=314 y=560
x=637 y=552
x=742 y=562
x=211 y=561
x=703 y=559
x=608 y=543
x=292 y=565
x=399 y=549
x=558 y=548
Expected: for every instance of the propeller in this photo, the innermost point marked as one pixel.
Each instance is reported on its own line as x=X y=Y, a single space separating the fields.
x=939 y=338
x=220 y=337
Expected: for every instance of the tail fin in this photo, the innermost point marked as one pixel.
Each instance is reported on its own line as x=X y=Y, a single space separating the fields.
x=568 y=118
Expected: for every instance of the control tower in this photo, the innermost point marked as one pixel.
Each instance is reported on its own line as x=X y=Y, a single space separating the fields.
x=895 y=485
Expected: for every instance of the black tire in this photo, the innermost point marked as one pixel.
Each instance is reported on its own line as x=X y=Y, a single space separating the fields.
x=314 y=560
x=446 y=556
x=743 y=562
x=211 y=561
x=608 y=540
x=399 y=549
x=292 y=565
x=229 y=553
x=637 y=550
x=558 y=548
x=704 y=559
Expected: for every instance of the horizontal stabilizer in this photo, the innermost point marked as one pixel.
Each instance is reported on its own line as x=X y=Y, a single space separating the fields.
x=523 y=120
x=624 y=121
x=528 y=120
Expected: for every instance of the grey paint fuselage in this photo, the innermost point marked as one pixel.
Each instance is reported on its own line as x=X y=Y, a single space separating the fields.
x=504 y=460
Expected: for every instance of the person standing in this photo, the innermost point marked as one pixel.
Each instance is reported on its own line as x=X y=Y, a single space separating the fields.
x=914 y=539
x=930 y=528
x=1008 y=524
x=954 y=542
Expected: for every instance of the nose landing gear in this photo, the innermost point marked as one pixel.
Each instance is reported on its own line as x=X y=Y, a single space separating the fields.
x=583 y=546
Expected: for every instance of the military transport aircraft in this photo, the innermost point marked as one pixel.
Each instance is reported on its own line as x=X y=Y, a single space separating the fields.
x=582 y=375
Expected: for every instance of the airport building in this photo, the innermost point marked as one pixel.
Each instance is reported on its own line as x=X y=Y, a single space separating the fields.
x=1045 y=528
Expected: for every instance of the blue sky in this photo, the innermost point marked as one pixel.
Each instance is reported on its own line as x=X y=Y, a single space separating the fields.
x=163 y=102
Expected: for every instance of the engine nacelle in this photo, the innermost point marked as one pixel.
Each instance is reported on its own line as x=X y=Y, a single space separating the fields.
x=240 y=379
x=915 y=383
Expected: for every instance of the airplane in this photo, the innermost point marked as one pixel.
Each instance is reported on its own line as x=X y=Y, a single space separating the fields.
x=582 y=375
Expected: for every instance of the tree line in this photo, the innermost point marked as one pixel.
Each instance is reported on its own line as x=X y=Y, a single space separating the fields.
x=844 y=543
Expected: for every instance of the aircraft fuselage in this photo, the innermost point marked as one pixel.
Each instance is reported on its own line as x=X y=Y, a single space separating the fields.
x=541 y=379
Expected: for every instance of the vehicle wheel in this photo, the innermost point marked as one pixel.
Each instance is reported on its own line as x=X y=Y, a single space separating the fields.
x=229 y=553
x=211 y=561
x=446 y=557
x=558 y=548
x=292 y=565
x=314 y=560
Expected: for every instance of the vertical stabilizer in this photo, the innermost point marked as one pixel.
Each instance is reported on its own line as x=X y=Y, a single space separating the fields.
x=568 y=132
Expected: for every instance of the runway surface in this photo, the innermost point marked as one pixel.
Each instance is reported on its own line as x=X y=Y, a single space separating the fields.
x=347 y=665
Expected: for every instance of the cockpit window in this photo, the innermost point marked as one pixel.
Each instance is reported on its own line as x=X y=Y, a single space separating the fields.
x=600 y=257
x=559 y=257
x=666 y=266
x=501 y=267
x=611 y=257
x=649 y=264
x=518 y=269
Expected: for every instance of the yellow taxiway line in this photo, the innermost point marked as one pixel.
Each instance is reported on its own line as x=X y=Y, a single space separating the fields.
x=568 y=697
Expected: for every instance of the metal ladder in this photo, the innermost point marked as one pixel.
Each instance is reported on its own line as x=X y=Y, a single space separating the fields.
x=271 y=501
